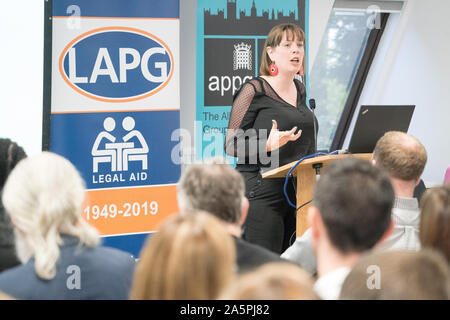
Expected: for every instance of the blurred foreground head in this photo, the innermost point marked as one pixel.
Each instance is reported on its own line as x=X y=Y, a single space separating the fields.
x=43 y=196
x=399 y=275
x=272 y=281
x=190 y=257
x=434 y=228
x=352 y=202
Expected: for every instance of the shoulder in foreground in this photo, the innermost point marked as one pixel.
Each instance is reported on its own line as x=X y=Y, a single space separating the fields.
x=249 y=248
x=114 y=255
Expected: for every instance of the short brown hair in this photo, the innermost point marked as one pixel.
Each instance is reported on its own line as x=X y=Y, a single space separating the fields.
x=272 y=281
x=190 y=257
x=398 y=275
x=434 y=230
x=274 y=38
x=401 y=155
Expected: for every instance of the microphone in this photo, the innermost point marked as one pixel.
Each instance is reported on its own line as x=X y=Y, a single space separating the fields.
x=312 y=105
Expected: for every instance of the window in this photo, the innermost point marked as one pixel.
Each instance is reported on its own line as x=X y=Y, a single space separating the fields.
x=338 y=74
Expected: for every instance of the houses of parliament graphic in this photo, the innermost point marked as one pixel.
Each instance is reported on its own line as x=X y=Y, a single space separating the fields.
x=257 y=25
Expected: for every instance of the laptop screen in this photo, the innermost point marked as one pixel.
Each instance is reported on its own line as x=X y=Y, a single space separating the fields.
x=374 y=121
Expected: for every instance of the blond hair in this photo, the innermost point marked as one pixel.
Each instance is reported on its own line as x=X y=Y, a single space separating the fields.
x=43 y=196
x=190 y=257
x=274 y=38
x=401 y=155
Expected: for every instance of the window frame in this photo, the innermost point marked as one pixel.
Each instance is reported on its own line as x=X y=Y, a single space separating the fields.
x=358 y=83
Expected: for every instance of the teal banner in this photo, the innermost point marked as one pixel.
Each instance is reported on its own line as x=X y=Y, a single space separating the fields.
x=230 y=39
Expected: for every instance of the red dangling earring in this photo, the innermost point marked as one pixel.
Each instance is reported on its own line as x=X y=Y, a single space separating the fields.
x=300 y=72
x=273 y=69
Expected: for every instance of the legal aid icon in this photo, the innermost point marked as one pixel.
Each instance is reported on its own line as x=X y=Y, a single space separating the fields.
x=118 y=153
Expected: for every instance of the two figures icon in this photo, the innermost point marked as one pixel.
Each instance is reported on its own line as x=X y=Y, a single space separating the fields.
x=119 y=153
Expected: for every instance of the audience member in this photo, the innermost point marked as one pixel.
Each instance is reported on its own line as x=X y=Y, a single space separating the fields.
x=219 y=189
x=10 y=155
x=191 y=257
x=403 y=157
x=447 y=176
x=351 y=213
x=272 y=281
x=435 y=219
x=398 y=275
x=59 y=250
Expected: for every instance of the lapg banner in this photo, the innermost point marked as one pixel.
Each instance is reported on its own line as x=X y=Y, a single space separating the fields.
x=113 y=107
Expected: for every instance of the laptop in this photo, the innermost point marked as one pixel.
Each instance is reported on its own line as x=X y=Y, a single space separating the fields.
x=374 y=121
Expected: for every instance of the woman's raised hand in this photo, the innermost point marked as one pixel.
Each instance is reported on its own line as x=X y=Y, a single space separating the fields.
x=277 y=138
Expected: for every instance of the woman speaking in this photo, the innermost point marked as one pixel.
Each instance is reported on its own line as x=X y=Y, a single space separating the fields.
x=270 y=126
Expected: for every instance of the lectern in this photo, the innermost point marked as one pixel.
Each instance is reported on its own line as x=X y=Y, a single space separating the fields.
x=306 y=180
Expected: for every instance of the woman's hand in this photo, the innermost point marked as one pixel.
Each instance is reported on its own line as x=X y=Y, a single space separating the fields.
x=277 y=139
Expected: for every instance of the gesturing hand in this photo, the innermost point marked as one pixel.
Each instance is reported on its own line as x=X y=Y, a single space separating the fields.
x=277 y=138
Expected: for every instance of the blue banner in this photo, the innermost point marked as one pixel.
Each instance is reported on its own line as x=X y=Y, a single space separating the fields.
x=115 y=107
x=119 y=8
x=119 y=149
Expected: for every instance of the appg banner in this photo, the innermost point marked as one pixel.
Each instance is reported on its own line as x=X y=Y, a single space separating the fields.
x=230 y=38
x=114 y=105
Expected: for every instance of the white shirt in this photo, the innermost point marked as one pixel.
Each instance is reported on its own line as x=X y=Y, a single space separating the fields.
x=406 y=214
x=328 y=286
x=302 y=253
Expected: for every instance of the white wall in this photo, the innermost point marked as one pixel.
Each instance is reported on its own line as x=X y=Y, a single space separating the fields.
x=412 y=67
x=21 y=65
x=188 y=59
x=319 y=12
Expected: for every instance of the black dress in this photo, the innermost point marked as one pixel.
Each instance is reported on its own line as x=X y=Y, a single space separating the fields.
x=271 y=221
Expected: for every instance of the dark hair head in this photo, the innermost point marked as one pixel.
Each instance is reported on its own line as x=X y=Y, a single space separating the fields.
x=355 y=201
x=10 y=154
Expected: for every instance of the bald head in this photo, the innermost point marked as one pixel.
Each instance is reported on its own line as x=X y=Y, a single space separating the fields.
x=401 y=155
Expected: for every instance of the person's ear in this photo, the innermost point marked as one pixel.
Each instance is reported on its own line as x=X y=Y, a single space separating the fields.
x=269 y=51
x=244 y=210
x=314 y=221
x=418 y=181
x=374 y=162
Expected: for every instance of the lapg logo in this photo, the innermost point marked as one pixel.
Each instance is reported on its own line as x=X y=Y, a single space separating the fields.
x=114 y=153
x=116 y=64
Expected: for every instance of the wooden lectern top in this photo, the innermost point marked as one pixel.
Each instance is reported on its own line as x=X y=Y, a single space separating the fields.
x=281 y=172
x=306 y=180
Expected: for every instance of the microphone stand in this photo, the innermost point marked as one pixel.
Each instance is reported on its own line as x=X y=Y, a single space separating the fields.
x=312 y=105
x=317 y=166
